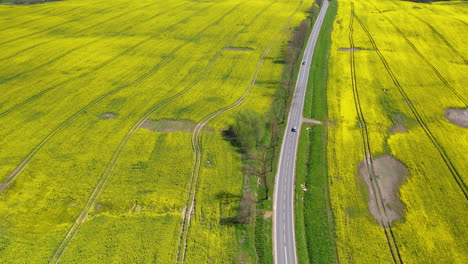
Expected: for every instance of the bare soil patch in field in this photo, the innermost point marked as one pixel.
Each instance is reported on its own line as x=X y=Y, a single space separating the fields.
x=352 y=49
x=238 y=48
x=457 y=116
x=398 y=124
x=390 y=174
x=312 y=121
x=398 y=128
x=107 y=116
x=165 y=125
x=28 y=2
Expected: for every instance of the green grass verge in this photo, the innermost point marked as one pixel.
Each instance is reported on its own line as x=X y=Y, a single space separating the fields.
x=315 y=104
x=314 y=218
x=263 y=237
x=317 y=214
x=301 y=173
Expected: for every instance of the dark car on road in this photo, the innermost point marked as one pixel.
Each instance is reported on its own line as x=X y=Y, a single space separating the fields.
x=294 y=129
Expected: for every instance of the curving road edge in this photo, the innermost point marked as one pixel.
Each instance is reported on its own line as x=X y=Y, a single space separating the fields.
x=284 y=238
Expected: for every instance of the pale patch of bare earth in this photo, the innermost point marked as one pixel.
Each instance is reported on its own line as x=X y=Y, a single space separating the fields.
x=267 y=214
x=98 y=208
x=390 y=174
x=312 y=121
x=351 y=49
x=398 y=125
x=457 y=116
x=107 y=116
x=398 y=128
x=238 y=48
x=165 y=125
x=29 y=2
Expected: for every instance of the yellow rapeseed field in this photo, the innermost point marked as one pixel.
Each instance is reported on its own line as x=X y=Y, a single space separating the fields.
x=98 y=107
x=395 y=67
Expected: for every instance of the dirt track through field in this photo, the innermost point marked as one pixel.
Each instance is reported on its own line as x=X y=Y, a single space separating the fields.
x=375 y=193
x=453 y=170
x=197 y=149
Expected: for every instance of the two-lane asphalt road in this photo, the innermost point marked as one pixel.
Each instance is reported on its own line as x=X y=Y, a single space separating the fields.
x=284 y=243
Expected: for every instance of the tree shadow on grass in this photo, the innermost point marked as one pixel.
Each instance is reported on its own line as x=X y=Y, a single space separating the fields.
x=229 y=221
x=230 y=136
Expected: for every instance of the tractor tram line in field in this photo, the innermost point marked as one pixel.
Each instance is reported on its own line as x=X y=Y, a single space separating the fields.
x=116 y=154
x=78 y=32
x=24 y=50
x=11 y=177
x=37 y=10
x=65 y=123
x=93 y=69
x=453 y=170
x=376 y=193
x=90 y=27
x=441 y=37
x=61 y=24
x=453 y=18
x=428 y=63
x=40 y=18
x=57 y=58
